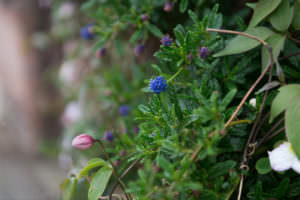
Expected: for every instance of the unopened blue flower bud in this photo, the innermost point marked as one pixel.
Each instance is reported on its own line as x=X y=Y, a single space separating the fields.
x=139 y=49
x=158 y=85
x=203 y=52
x=86 y=32
x=124 y=110
x=109 y=136
x=166 y=41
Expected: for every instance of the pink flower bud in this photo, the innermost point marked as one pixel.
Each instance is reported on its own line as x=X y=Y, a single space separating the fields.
x=83 y=141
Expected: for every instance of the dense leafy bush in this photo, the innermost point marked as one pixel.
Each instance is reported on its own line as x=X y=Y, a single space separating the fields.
x=180 y=125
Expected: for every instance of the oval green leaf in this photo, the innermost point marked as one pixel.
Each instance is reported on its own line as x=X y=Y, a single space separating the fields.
x=296 y=18
x=263 y=166
x=287 y=95
x=242 y=44
x=292 y=116
x=282 y=17
x=276 y=41
x=262 y=10
x=96 y=162
x=99 y=183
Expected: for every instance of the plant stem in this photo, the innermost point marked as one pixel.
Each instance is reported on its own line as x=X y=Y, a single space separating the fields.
x=122 y=176
x=244 y=121
x=288 y=56
x=113 y=169
x=176 y=74
x=258 y=79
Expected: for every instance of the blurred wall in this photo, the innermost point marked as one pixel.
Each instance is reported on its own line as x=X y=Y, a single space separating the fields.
x=19 y=92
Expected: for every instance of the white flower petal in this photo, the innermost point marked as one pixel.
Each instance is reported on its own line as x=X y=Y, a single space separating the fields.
x=296 y=166
x=282 y=158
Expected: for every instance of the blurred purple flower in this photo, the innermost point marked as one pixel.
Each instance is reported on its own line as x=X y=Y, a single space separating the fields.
x=203 y=52
x=168 y=7
x=166 y=40
x=124 y=110
x=139 y=50
x=109 y=136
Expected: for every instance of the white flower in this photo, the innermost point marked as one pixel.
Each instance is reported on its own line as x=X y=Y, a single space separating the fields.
x=284 y=158
x=252 y=102
x=72 y=113
x=66 y=10
x=68 y=72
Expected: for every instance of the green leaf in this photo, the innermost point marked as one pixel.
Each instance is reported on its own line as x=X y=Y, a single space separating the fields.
x=183 y=5
x=251 y=5
x=241 y=44
x=68 y=187
x=282 y=17
x=262 y=10
x=154 y=30
x=281 y=190
x=263 y=166
x=81 y=190
x=221 y=169
x=96 y=162
x=100 y=43
x=292 y=116
x=193 y=16
x=276 y=41
x=99 y=183
x=135 y=36
x=288 y=94
x=296 y=18
x=227 y=99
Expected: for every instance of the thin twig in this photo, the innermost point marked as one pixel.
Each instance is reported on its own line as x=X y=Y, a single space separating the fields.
x=123 y=175
x=294 y=39
x=258 y=79
x=241 y=187
x=113 y=169
x=275 y=133
x=270 y=132
x=288 y=56
x=261 y=123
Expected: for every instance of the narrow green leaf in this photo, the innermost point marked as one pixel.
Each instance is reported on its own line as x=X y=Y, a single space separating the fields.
x=228 y=98
x=183 y=5
x=262 y=10
x=287 y=95
x=276 y=41
x=98 y=162
x=292 y=116
x=99 y=183
x=68 y=187
x=193 y=16
x=154 y=30
x=296 y=18
x=282 y=17
x=251 y=5
x=281 y=190
x=135 y=36
x=263 y=166
x=241 y=44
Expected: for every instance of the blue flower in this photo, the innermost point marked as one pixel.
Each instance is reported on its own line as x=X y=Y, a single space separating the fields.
x=86 y=32
x=124 y=110
x=109 y=136
x=158 y=85
x=139 y=49
x=203 y=52
x=166 y=41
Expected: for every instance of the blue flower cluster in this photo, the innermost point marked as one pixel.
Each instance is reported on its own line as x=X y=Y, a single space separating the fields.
x=124 y=110
x=158 y=85
x=203 y=52
x=86 y=32
x=109 y=136
x=166 y=41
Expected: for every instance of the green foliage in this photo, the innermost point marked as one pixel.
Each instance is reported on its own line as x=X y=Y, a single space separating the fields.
x=242 y=44
x=185 y=151
x=99 y=183
x=263 y=166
